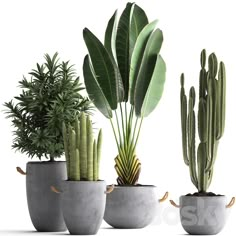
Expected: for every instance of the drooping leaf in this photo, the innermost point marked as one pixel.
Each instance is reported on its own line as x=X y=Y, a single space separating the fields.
x=95 y=92
x=155 y=88
x=123 y=46
x=148 y=65
x=109 y=43
x=137 y=56
x=106 y=72
x=138 y=21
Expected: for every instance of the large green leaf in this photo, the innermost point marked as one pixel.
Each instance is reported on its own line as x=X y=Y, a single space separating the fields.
x=95 y=92
x=110 y=35
x=109 y=43
x=147 y=68
x=122 y=47
x=104 y=68
x=155 y=88
x=133 y=19
x=138 y=21
x=137 y=56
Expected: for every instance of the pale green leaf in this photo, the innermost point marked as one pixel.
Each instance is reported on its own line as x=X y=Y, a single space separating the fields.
x=155 y=88
x=147 y=68
x=138 y=55
x=138 y=21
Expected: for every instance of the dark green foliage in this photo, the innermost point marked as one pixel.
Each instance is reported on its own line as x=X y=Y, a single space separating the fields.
x=51 y=96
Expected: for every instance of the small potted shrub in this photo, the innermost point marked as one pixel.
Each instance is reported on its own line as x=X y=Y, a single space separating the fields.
x=83 y=195
x=51 y=96
x=203 y=212
x=124 y=78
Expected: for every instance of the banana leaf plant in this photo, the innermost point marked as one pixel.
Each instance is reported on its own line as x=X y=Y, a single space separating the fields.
x=124 y=77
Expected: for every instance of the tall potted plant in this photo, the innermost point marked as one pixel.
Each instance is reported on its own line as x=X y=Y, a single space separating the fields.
x=203 y=212
x=124 y=77
x=83 y=195
x=51 y=96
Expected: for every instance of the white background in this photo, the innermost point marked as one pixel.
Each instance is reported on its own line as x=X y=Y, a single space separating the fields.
x=29 y=29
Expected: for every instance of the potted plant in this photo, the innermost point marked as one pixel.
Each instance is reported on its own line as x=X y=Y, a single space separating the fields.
x=203 y=212
x=51 y=96
x=83 y=195
x=125 y=77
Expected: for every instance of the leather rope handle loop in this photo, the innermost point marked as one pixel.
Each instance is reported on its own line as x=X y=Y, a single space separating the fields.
x=110 y=188
x=174 y=204
x=54 y=189
x=164 y=197
x=231 y=203
x=20 y=170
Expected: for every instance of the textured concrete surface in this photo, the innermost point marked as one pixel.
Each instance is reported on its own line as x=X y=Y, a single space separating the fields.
x=130 y=207
x=203 y=215
x=45 y=205
x=83 y=204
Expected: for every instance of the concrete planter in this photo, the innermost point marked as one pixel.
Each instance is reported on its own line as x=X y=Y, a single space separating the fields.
x=83 y=205
x=45 y=206
x=203 y=215
x=132 y=207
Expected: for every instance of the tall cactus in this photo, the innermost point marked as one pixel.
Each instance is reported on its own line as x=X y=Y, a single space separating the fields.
x=82 y=151
x=211 y=121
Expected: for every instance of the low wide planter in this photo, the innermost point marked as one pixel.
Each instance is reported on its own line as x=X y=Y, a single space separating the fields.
x=83 y=206
x=132 y=207
x=45 y=206
x=203 y=215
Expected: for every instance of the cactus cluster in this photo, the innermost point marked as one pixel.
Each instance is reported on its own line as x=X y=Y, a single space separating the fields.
x=82 y=151
x=211 y=121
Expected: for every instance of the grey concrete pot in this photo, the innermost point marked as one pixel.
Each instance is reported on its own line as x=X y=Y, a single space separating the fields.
x=44 y=205
x=131 y=207
x=83 y=205
x=203 y=215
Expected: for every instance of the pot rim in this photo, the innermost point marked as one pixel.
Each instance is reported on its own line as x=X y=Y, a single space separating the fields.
x=134 y=186
x=44 y=162
x=206 y=197
x=82 y=181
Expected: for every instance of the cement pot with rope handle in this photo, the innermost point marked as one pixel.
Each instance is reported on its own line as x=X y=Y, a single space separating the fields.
x=203 y=215
x=44 y=206
x=132 y=207
x=83 y=205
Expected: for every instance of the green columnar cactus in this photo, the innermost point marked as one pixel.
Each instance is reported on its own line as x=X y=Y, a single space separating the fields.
x=211 y=121
x=82 y=151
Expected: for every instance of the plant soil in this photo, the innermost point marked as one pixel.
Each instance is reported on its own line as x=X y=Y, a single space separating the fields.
x=203 y=194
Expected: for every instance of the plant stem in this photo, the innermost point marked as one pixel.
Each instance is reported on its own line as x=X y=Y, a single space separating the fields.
x=52 y=158
x=139 y=129
x=123 y=130
x=118 y=127
x=130 y=123
x=113 y=128
x=134 y=132
x=126 y=117
x=117 y=143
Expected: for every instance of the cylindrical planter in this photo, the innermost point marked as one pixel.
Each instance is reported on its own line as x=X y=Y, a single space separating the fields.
x=132 y=207
x=83 y=206
x=44 y=205
x=203 y=215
